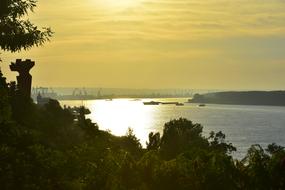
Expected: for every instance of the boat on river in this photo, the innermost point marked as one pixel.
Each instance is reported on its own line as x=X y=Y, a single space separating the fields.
x=169 y=103
x=151 y=103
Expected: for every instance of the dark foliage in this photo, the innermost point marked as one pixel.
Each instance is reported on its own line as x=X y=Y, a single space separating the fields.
x=16 y=32
x=154 y=141
x=5 y=109
x=179 y=136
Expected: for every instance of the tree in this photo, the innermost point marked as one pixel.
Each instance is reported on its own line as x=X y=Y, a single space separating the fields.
x=217 y=142
x=17 y=32
x=181 y=135
x=154 y=141
x=5 y=109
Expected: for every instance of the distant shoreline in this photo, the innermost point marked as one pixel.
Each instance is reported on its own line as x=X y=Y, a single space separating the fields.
x=90 y=97
x=265 y=98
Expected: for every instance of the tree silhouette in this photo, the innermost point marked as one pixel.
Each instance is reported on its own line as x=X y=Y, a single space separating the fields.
x=154 y=141
x=5 y=109
x=16 y=31
x=180 y=135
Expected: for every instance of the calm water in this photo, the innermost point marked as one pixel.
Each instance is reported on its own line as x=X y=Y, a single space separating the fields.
x=243 y=125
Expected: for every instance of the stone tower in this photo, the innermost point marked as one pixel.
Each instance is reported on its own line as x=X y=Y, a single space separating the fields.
x=24 y=79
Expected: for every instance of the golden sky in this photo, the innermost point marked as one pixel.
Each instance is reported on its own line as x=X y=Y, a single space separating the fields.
x=211 y=44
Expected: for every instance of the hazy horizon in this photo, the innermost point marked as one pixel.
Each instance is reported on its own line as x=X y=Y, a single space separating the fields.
x=159 y=44
x=156 y=89
x=123 y=93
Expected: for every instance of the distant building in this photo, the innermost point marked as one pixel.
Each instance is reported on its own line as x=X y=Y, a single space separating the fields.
x=44 y=92
x=42 y=100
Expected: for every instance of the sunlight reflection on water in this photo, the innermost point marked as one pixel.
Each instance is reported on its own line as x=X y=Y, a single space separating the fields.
x=243 y=125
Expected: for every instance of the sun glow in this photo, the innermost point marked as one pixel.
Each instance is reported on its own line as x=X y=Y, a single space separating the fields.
x=118 y=4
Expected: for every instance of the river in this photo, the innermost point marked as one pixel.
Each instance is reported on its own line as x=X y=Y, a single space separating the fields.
x=243 y=125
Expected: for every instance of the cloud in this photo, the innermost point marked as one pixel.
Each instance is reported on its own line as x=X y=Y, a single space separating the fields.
x=179 y=36
x=165 y=19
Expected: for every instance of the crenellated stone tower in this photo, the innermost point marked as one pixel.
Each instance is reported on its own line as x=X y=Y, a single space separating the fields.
x=24 y=79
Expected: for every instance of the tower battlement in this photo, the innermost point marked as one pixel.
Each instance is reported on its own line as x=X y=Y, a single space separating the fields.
x=24 y=79
x=22 y=67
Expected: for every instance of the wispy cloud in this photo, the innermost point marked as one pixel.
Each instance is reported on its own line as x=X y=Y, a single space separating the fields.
x=174 y=35
x=166 y=19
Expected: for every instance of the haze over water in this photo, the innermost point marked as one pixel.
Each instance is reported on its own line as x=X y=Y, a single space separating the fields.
x=243 y=125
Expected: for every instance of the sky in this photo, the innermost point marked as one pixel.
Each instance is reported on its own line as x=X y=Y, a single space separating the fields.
x=195 y=44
